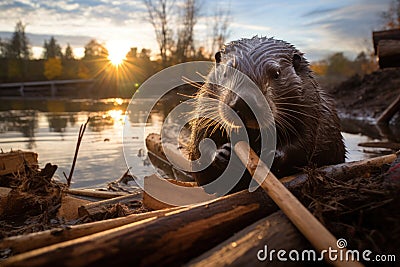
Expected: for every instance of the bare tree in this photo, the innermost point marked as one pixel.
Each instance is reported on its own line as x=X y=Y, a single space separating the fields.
x=159 y=12
x=391 y=17
x=220 y=28
x=185 y=45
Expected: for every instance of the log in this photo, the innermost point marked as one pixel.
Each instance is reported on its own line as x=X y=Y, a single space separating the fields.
x=343 y=171
x=387 y=115
x=377 y=36
x=274 y=232
x=300 y=216
x=389 y=53
x=23 y=243
x=97 y=210
x=173 y=239
x=389 y=145
x=95 y=193
x=152 y=234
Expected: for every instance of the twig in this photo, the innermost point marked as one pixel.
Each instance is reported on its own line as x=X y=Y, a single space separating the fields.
x=78 y=143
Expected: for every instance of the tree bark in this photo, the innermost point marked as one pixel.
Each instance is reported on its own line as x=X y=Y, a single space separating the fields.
x=243 y=248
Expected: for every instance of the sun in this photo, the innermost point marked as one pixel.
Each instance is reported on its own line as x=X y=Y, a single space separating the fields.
x=117 y=51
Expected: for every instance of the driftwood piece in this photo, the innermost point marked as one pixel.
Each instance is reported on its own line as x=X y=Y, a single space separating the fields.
x=274 y=232
x=308 y=225
x=23 y=243
x=389 y=145
x=95 y=193
x=14 y=161
x=173 y=196
x=96 y=210
x=172 y=239
x=388 y=113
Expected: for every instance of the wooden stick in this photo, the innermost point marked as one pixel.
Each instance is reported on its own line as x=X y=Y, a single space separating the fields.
x=301 y=217
x=78 y=144
x=386 y=115
x=95 y=193
x=390 y=145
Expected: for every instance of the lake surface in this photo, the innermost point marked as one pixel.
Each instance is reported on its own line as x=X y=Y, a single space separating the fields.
x=50 y=128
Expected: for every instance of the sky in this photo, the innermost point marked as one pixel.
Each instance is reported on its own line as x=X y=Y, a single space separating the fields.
x=317 y=28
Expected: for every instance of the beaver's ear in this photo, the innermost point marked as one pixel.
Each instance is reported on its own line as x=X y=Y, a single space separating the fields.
x=218 y=57
x=296 y=61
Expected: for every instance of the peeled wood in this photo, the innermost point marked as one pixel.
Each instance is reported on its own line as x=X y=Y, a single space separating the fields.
x=387 y=115
x=23 y=243
x=276 y=231
x=300 y=216
x=69 y=207
x=163 y=193
x=99 y=208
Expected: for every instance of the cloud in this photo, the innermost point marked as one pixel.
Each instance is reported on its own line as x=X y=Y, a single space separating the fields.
x=63 y=40
x=320 y=11
x=251 y=27
x=347 y=28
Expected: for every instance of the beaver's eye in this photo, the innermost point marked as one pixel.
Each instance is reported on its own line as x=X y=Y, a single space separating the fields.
x=276 y=74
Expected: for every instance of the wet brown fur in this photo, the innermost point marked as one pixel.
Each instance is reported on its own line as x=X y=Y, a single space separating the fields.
x=307 y=125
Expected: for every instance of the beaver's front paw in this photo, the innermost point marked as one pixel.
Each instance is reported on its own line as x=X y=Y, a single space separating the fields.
x=222 y=156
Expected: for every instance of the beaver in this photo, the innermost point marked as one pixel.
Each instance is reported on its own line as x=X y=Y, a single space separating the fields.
x=306 y=122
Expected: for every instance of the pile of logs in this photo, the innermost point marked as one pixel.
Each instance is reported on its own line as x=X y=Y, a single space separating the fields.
x=387 y=47
x=228 y=230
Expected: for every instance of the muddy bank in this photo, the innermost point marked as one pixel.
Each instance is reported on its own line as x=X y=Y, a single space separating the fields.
x=368 y=96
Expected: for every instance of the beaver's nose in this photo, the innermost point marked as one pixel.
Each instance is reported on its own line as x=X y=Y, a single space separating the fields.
x=241 y=108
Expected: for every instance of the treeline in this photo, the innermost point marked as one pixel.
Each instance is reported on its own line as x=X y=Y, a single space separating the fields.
x=337 y=67
x=17 y=65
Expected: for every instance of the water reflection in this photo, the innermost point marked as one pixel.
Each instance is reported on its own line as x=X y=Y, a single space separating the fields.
x=57 y=122
x=22 y=121
x=40 y=125
x=389 y=132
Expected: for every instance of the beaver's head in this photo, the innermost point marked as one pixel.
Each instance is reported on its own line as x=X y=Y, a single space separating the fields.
x=277 y=70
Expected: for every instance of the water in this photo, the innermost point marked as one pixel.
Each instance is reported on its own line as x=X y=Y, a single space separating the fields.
x=50 y=128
